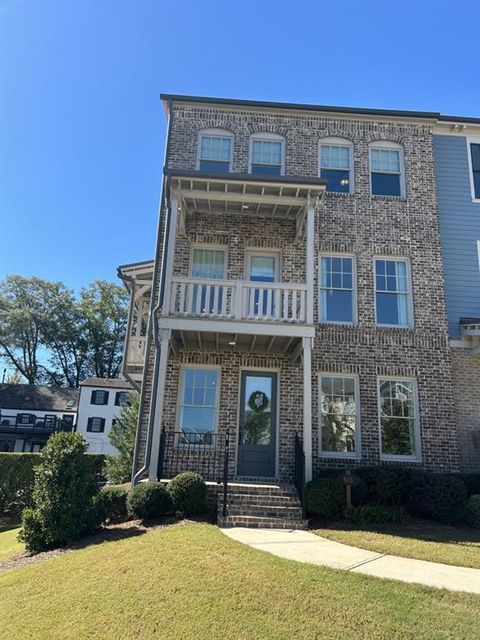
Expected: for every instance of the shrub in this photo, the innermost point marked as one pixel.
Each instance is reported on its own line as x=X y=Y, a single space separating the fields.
x=472 y=511
x=148 y=500
x=16 y=481
x=96 y=463
x=472 y=482
x=325 y=497
x=114 y=501
x=359 y=487
x=386 y=486
x=189 y=493
x=122 y=437
x=440 y=497
x=378 y=513
x=64 y=495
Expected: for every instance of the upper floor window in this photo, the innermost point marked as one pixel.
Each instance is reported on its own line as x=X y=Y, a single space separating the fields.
x=99 y=396
x=267 y=154
x=392 y=292
x=96 y=425
x=215 y=150
x=121 y=397
x=475 y=169
x=336 y=164
x=386 y=169
x=336 y=289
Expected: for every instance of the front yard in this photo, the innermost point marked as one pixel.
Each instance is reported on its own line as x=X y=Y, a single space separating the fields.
x=189 y=581
x=423 y=540
x=9 y=544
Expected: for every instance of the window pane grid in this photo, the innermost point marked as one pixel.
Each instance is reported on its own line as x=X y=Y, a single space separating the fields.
x=215 y=148
x=266 y=152
x=336 y=289
x=338 y=408
x=397 y=417
x=199 y=400
x=385 y=160
x=208 y=264
x=392 y=293
x=334 y=156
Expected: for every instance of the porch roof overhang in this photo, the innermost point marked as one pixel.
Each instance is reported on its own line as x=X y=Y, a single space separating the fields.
x=252 y=195
x=470 y=328
x=140 y=273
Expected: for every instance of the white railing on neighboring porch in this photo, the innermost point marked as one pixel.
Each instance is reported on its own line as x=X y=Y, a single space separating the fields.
x=238 y=300
x=136 y=350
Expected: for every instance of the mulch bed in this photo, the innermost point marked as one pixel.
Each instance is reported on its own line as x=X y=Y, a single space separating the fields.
x=108 y=533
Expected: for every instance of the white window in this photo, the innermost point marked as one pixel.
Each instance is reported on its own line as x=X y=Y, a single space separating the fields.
x=474 y=166
x=199 y=393
x=208 y=264
x=392 y=293
x=339 y=416
x=267 y=154
x=337 y=289
x=215 y=151
x=398 y=415
x=336 y=164
x=387 y=173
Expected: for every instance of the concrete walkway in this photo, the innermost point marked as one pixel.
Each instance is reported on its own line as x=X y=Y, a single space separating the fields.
x=304 y=546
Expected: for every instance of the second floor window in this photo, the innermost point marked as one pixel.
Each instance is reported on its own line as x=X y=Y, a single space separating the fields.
x=336 y=289
x=475 y=160
x=386 y=169
x=215 y=152
x=96 y=425
x=121 y=397
x=267 y=155
x=207 y=264
x=99 y=396
x=336 y=165
x=392 y=292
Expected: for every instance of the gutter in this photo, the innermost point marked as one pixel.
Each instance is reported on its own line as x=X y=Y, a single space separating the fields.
x=153 y=323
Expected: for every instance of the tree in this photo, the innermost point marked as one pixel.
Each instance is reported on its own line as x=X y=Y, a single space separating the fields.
x=104 y=309
x=122 y=437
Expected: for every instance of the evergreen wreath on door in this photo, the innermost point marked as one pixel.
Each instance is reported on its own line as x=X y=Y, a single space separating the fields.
x=258 y=401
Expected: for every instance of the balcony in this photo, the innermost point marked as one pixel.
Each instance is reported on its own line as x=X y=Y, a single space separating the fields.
x=25 y=424
x=238 y=300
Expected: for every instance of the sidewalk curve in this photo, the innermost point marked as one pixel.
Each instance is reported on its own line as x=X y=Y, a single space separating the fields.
x=304 y=546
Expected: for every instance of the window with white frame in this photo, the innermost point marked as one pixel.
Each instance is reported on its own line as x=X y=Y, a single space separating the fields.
x=207 y=263
x=399 y=424
x=267 y=151
x=199 y=391
x=392 y=292
x=475 y=168
x=386 y=169
x=215 y=150
x=339 y=422
x=336 y=164
x=337 y=289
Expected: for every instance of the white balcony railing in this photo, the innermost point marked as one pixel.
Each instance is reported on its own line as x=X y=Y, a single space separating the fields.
x=238 y=300
x=136 y=350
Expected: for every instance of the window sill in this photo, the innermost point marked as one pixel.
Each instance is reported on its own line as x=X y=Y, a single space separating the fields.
x=379 y=196
x=336 y=323
x=325 y=455
x=340 y=194
x=400 y=327
x=392 y=458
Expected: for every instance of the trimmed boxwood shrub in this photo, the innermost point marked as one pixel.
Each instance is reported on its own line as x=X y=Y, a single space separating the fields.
x=359 y=487
x=387 y=486
x=113 y=500
x=189 y=493
x=148 y=500
x=440 y=497
x=325 y=497
x=472 y=482
x=64 y=495
x=378 y=513
x=16 y=481
x=472 y=511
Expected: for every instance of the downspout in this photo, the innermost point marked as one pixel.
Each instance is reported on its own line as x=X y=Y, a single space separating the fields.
x=153 y=324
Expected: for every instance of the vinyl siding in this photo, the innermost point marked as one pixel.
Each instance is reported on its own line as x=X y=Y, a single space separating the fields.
x=459 y=230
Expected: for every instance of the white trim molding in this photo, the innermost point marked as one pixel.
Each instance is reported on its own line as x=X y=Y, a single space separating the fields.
x=266 y=137
x=471 y=140
x=214 y=133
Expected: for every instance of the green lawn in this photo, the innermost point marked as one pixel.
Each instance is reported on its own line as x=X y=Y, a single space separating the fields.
x=9 y=545
x=419 y=539
x=192 y=583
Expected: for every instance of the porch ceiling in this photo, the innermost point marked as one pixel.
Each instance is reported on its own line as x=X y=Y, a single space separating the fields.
x=271 y=196
x=243 y=343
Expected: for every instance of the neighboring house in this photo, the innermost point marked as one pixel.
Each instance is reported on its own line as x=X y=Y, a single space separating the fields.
x=29 y=414
x=298 y=299
x=457 y=150
x=99 y=405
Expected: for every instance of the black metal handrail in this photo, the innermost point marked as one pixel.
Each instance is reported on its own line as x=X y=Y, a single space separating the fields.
x=12 y=423
x=192 y=451
x=300 y=471
x=225 y=474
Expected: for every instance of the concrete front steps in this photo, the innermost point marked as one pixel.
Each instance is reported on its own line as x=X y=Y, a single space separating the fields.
x=268 y=506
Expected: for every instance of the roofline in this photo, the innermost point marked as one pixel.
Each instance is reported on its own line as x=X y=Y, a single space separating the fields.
x=246 y=177
x=135 y=264
x=301 y=107
x=125 y=385
x=392 y=113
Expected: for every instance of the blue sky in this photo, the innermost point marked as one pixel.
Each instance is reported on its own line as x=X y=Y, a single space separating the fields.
x=82 y=128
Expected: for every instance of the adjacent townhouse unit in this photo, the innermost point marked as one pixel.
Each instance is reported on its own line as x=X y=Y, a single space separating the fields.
x=296 y=309
x=99 y=405
x=29 y=414
x=457 y=153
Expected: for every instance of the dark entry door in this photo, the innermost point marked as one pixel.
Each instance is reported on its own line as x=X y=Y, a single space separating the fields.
x=258 y=424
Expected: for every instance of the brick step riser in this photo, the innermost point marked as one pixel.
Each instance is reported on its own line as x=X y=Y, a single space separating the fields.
x=263 y=491
x=242 y=500
x=280 y=509
x=267 y=523
x=294 y=515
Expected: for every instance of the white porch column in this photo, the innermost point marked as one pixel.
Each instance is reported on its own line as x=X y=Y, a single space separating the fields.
x=160 y=395
x=307 y=407
x=309 y=242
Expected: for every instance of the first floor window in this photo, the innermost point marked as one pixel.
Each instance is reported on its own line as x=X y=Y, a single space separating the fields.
x=336 y=289
x=99 y=396
x=96 y=425
x=198 y=405
x=121 y=397
x=398 y=418
x=475 y=156
x=338 y=415
x=392 y=292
